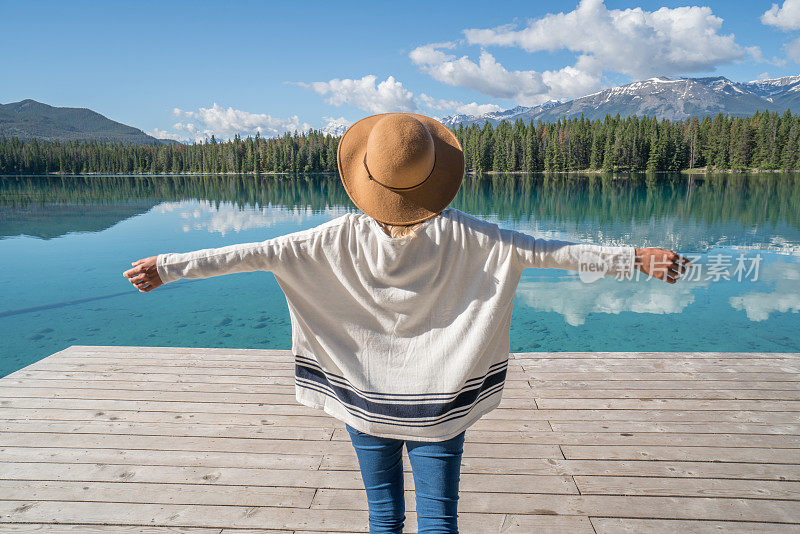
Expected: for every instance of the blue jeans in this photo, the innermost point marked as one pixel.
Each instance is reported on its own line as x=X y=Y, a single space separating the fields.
x=436 y=466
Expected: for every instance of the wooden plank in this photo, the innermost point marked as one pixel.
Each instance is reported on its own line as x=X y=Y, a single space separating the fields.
x=283 y=397
x=176 y=407
x=171 y=429
x=176 y=378
x=522 y=356
x=644 y=468
x=198 y=360
x=239 y=517
x=11 y=387
x=242 y=397
x=614 y=525
x=511 y=524
x=114 y=529
x=185 y=367
x=134 y=350
x=167 y=476
x=513 y=382
x=624 y=438
x=688 y=487
x=183 y=515
x=182 y=407
x=745 y=416
x=315 y=419
x=524 y=524
x=655 y=385
x=167 y=493
x=514 y=388
x=665 y=404
x=176 y=443
x=789 y=365
x=706 y=508
x=621 y=376
x=259 y=460
x=715 y=394
x=192 y=443
x=205 y=459
x=671 y=439
x=121 y=369
x=16 y=386
x=665 y=426
x=705 y=454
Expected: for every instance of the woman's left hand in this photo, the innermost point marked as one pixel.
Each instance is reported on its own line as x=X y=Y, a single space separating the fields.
x=144 y=275
x=661 y=263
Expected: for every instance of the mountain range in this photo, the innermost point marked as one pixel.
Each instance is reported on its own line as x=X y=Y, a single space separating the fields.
x=665 y=98
x=30 y=119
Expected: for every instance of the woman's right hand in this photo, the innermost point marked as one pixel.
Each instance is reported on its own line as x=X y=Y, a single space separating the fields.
x=661 y=263
x=144 y=275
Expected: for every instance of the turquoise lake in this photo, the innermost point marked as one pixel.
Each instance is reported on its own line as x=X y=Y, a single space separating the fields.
x=65 y=241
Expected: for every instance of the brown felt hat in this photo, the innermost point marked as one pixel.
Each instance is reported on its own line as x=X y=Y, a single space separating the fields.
x=400 y=168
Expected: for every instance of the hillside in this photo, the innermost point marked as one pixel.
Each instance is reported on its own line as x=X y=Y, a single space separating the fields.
x=29 y=119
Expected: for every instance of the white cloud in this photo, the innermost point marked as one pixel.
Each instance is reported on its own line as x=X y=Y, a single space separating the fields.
x=758 y=56
x=473 y=108
x=225 y=123
x=793 y=50
x=455 y=106
x=387 y=96
x=438 y=104
x=786 y=17
x=488 y=76
x=634 y=42
x=163 y=134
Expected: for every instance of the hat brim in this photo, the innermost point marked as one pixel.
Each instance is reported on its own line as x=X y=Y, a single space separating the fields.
x=401 y=207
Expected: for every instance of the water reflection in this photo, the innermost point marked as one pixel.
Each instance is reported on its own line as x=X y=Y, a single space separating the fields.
x=759 y=210
x=784 y=296
x=575 y=300
x=227 y=217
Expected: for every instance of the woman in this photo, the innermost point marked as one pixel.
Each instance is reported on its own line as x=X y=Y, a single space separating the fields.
x=400 y=315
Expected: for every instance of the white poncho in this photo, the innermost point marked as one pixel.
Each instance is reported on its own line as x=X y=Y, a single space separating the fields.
x=401 y=338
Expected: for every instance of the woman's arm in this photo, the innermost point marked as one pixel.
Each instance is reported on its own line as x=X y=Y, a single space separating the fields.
x=660 y=263
x=150 y=273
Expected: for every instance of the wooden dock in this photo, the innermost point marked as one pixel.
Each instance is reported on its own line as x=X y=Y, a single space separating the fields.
x=211 y=441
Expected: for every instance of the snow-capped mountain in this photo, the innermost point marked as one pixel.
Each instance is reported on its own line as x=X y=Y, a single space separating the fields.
x=336 y=127
x=496 y=117
x=662 y=97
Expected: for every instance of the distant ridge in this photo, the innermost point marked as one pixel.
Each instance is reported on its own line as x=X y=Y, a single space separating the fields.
x=661 y=97
x=30 y=119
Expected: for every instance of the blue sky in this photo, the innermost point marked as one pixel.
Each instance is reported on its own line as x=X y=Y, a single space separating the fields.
x=189 y=69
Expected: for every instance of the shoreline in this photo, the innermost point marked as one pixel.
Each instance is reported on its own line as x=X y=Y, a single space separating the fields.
x=701 y=171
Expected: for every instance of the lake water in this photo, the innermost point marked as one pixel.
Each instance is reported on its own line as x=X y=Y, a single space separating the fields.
x=65 y=241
